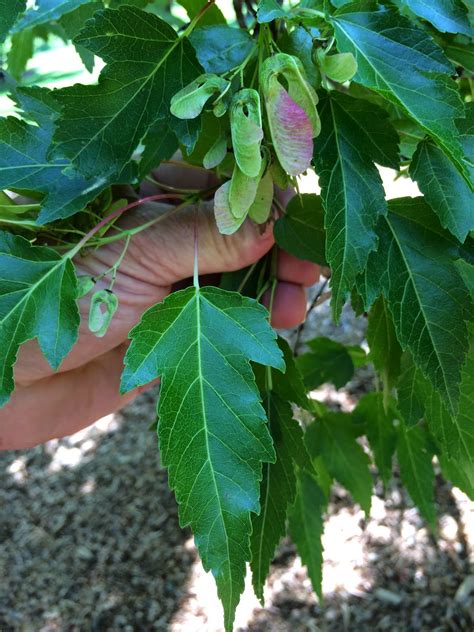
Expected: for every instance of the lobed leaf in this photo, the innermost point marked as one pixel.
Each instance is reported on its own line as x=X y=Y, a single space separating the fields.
x=212 y=430
x=278 y=488
x=307 y=526
x=377 y=416
x=416 y=469
x=38 y=291
x=24 y=163
x=354 y=134
x=414 y=269
x=300 y=231
x=333 y=439
x=403 y=64
x=146 y=64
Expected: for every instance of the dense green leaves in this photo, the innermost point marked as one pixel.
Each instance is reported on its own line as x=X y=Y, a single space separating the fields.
x=306 y=526
x=220 y=48
x=147 y=64
x=445 y=15
x=24 y=163
x=377 y=416
x=444 y=189
x=300 y=231
x=344 y=87
x=326 y=361
x=333 y=439
x=278 y=488
x=45 y=11
x=354 y=135
x=38 y=290
x=406 y=67
x=212 y=431
x=415 y=460
x=9 y=11
x=414 y=268
x=385 y=350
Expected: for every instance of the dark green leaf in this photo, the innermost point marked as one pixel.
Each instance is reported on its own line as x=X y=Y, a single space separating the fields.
x=9 y=11
x=21 y=51
x=354 y=135
x=306 y=526
x=73 y=22
x=405 y=66
x=378 y=417
x=455 y=473
x=300 y=231
x=327 y=361
x=269 y=10
x=212 y=430
x=212 y=15
x=221 y=48
x=444 y=189
x=278 y=489
x=453 y=433
x=46 y=11
x=446 y=15
x=289 y=386
x=416 y=469
x=333 y=438
x=38 y=290
x=147 y=64
x=24 y=163
x=385 y=351
x=414 y=269
x=300 y=44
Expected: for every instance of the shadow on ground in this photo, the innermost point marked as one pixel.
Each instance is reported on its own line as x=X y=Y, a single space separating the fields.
x=89 y=541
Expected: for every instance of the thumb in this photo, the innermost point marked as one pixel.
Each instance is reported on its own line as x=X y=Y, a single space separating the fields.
x=167 y=249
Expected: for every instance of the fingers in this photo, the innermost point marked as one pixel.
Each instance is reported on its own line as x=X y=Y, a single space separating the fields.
x=64 y=403
x=295 y=270
x=289 y=305
x=164 y=254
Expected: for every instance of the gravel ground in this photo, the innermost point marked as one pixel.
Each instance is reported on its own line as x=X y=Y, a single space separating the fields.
x=89 y=541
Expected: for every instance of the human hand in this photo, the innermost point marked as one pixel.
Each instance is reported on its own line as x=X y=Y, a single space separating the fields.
x=48 y=404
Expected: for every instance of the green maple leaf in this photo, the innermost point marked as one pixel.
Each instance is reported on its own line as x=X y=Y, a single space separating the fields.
x=354 y=134
x=307 y=526
x=47 y=11
x=444 y=189
x=146 y=64
x=414 y=269
x=416 y=469
x=454 y=434
x=377 y=416
x=278 y=488
x=9 y=11
x=212 y=430
x=288 y=386
x=300 y=231
x=212 y=16
x=333 y=439
x=404 y=65
x=448 y=16
x=385 y=350
x=219 y=48
x=24 y=163
x=327 y=361
x=38 y=292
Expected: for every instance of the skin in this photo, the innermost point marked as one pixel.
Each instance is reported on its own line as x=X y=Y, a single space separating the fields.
x=48 y=404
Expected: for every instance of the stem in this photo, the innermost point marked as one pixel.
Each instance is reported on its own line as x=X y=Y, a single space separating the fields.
x=191 y=26
x=117 y=213
x=118 y=262
x=246 y=277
